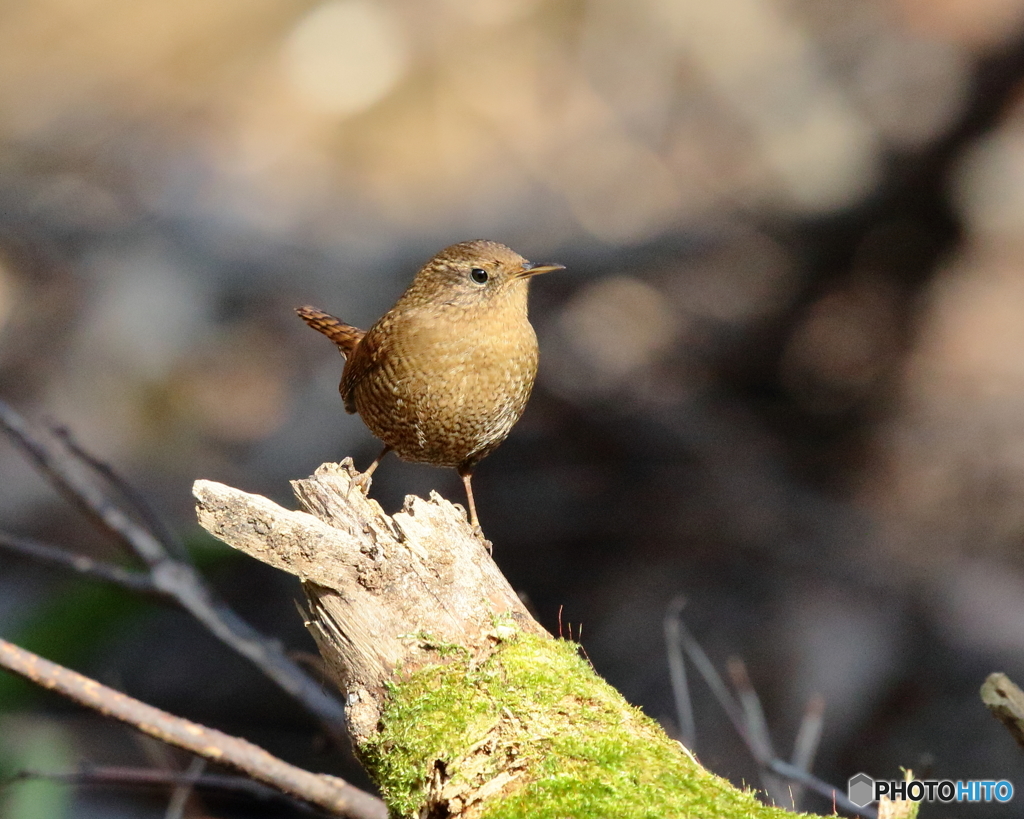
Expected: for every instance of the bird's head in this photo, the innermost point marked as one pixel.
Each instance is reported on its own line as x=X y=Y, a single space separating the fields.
x=475 y=273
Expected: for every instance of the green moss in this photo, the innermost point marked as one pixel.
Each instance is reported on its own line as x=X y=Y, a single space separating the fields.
x=427 y=641
x=575 y=747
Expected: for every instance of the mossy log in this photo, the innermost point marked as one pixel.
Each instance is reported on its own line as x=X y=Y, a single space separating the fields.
x=459 y=703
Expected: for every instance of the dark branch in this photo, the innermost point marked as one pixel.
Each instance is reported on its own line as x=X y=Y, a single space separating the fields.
x=677 y=673
x=807 y=738
x=151 y=777
x=329 y=792
x=757 y=731
x=85 y=481
x=739 y=720
x=76 y=480
x=45 y=553
x=136 y=502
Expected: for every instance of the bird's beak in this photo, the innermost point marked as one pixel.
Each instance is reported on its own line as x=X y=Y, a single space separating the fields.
x=533 y=269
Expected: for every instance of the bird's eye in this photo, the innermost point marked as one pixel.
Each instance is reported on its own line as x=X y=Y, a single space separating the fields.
x=479 y=275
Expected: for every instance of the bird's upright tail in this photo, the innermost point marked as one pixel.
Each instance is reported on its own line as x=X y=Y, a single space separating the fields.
x=344 y=335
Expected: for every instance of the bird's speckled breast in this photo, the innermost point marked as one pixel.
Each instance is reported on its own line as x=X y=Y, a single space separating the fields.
x=454 y=389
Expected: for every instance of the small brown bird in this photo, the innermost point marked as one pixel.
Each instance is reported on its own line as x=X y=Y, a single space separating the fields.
x=444 y=375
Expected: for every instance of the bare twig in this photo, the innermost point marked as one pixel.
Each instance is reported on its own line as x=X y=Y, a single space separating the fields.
x=736 y=715
x=152 y=777
x=806 y=744
x=329 y=792
x=184 y=789
x=677 y=673
x=83 y=480
x=819 y=786
x=757 y=730
x=76 y=480
x=757 y=726
x=45 y=553
x=1006 y=702
x=134 y=499
x=707 y=670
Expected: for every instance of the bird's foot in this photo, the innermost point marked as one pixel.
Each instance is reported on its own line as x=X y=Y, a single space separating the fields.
x=362 y=480
x=474 y=527
x=478 y=533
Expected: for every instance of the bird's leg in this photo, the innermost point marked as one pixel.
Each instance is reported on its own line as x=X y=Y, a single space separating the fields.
x=466 y=472
x=376 y=463
x=467 y=481
x=363 y=479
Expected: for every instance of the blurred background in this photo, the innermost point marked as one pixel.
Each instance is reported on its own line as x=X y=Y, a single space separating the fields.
x=783 y=374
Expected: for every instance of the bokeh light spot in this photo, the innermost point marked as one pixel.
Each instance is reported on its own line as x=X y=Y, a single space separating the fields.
x=346 y=55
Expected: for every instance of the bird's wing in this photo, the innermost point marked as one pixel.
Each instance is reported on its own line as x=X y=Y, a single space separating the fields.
x=364 y=359
x=344 y=335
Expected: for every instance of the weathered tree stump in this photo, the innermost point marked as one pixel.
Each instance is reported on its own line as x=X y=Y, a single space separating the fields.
x=459 y=703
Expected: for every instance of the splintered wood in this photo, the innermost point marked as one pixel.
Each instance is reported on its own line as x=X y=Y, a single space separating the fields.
x=385 y=593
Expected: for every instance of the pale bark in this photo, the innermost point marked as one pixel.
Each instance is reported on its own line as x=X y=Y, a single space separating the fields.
x=458 y=701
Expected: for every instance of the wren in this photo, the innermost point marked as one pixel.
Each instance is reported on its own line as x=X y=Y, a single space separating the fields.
x=444 y=375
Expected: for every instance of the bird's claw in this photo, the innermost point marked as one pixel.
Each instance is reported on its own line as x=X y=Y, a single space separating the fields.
x=478 y=533
x=362 y=481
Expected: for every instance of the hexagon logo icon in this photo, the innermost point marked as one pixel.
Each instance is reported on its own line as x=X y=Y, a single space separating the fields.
x=861 y=790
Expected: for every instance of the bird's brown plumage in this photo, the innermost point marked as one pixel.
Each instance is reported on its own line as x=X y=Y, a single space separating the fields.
x=443 y=376
x=344 y=335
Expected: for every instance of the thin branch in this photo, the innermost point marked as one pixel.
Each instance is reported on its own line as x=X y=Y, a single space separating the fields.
x=183 y=790
x=82 y=479
x=819 y=786
x=329 y=792
x=805 y=747
x=757 y=730
x=138 y=504
x=736 y=715
x=707 y=670
x=757 y=725
x=45 y=553
x=76 y=480
x=185 y=584
x=677 y=673
x=152 y=777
